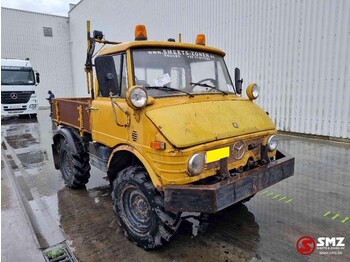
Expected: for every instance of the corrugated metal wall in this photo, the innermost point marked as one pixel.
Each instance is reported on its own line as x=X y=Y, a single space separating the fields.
x=297 y=51
x=22 y=36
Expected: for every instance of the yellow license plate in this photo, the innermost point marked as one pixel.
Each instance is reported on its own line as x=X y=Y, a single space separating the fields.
x=217 y=154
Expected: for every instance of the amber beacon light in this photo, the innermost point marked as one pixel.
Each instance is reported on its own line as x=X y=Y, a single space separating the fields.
x=200 y=39
x=140 y=32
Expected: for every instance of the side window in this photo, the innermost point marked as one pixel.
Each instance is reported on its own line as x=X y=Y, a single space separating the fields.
x=124 y=77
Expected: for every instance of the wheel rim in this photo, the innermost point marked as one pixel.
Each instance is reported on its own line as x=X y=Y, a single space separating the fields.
x=67 y=165
x=137 y=209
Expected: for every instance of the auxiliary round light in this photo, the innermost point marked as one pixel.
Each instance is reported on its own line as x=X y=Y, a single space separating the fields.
x=253 y=91
x=196 y=164
x=272 y=143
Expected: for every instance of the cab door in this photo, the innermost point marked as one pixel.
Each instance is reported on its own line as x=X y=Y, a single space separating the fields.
x=108 y=121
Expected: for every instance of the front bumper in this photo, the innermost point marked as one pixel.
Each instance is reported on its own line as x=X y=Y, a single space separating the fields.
x=215 y=197
x=19 y=109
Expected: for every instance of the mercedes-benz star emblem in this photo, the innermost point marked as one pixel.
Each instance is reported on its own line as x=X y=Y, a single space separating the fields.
x=13 y=95
x=238 y=150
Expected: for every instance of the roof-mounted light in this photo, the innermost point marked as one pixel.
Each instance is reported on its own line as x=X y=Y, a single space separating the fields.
x=200 y=39
x=140 y=33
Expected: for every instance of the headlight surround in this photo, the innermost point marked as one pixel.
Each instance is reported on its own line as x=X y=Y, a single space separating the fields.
x=253 y=91
x=196 y=164
x=138 y=97
x=272 y=143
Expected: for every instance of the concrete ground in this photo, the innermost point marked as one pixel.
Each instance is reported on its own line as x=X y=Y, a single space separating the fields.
x=314 y=202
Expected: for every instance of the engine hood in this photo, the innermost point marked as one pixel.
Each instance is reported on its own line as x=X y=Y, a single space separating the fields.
x=191 y=124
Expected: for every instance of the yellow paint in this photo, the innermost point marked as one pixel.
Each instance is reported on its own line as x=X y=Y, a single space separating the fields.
x=266 y=191
x=155 y=179
x=282 y=198
x=290 y=200
x=334 y=217
x=187 y=125
x=275 y=196
x=327 y=213
x=201 y=122
x=269 y=194
x=217 y=154
x=146 y=44
x=345 y=219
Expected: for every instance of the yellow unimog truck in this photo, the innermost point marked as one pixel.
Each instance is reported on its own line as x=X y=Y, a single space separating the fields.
x=170 y=129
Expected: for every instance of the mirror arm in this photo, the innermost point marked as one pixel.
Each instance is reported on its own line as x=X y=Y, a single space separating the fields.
x=114 y=103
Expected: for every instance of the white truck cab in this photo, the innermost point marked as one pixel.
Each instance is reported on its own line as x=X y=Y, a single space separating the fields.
x=18 y=88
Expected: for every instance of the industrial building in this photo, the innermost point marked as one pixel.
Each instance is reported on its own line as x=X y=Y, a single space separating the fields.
x=44 y=39
x=298 y=51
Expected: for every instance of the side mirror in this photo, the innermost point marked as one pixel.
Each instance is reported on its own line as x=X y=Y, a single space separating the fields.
x=106 y=76
x=238 y=81
x=37 y=78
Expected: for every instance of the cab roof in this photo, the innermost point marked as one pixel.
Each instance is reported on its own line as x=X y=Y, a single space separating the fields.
x=15 y=62
x=160 y=44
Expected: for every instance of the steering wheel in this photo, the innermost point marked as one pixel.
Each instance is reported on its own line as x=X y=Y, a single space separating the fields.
x=189 y=89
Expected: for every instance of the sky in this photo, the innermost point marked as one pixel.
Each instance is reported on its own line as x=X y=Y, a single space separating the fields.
x=53 y=7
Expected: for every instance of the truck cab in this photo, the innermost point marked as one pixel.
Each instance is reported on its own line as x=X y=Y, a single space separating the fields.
x=18 y=88
x=172 y=131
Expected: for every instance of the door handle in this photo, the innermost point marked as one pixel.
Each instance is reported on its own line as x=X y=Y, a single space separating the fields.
x=92 y=108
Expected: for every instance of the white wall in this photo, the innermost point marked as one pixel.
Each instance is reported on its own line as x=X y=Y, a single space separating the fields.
x=22 y=36
x=297 y=51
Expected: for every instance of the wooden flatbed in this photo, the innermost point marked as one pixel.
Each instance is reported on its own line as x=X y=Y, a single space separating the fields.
x=73 y=112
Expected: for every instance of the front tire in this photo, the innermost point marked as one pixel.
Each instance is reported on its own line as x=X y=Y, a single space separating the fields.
x=139 y=209
x=75 y=168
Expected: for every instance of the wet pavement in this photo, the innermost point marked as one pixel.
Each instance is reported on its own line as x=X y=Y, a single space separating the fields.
x=264 y=229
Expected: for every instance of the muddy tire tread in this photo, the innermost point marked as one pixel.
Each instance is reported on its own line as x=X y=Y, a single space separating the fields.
x=139 y=175
x=81 y=168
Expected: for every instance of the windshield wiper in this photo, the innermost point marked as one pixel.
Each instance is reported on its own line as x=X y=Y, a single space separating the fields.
x=206 y=85
x=169 y=89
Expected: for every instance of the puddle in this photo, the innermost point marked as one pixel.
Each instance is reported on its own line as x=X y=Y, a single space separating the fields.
x=32 y=158
x=21 y=141
x=88 y=220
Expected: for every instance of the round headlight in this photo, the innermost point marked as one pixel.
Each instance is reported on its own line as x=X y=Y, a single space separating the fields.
x=138 y=97
x=253 y=91
x=272 y=143
x=196 y=164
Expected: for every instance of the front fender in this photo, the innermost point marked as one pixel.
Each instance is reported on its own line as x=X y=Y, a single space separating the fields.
x=154 y=178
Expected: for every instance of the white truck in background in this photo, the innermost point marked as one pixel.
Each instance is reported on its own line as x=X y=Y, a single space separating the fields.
x=18 y=88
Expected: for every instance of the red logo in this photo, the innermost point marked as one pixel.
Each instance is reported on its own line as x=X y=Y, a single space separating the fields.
x=306 y=245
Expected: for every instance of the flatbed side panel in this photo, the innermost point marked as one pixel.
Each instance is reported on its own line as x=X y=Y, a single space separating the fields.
x=72 y=112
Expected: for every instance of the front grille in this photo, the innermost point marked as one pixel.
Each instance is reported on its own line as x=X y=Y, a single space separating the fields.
x=253 y=146
x=15 y=97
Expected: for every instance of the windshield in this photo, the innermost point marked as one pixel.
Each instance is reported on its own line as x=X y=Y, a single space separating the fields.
x=17 y=76
x=161 y=71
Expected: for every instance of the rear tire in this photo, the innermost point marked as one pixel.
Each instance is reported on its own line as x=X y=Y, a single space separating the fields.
x=75 y=168
x=139 y=209
x=32 y=115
